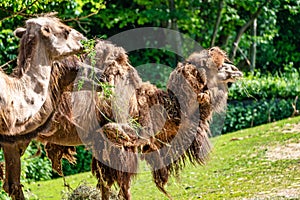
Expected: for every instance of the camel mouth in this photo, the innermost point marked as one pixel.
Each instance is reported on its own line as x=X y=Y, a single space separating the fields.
x=229 y=73
x=237 y=75
x=79 y=37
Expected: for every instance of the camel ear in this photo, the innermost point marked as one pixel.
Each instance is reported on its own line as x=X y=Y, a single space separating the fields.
x=46 y=30
x=179 y=65
x=19 y=32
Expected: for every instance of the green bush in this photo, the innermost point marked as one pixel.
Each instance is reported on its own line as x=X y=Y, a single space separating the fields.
x=269 y=86
x=38 y=167
x=257 y=99
x=35 y=167
x=8 y=48
x=249 y=113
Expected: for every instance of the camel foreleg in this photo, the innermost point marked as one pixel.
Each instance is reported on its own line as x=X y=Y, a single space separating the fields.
x=12 y=155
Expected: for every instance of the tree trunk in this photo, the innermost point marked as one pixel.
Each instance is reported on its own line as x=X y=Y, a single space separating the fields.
x=175 y=38
x=245 y=27
x=253 y=46
x=217 y=24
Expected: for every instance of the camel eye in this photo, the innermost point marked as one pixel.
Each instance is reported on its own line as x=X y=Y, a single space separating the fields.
x=66 y=33
x=47 y=29
x=212 y=49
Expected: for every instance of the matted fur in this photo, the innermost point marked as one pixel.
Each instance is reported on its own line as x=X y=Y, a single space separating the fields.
x=27 y=49
x=179 y=116
x=56 y=153
x=63 y=74
x=185 y=110
x=116 y=70
x=199 y=94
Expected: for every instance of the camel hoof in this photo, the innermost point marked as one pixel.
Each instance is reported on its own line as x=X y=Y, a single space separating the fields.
x=14 y=191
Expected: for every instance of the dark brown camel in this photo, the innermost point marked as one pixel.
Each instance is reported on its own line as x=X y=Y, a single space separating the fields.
x=117 y=71
x=200 y=87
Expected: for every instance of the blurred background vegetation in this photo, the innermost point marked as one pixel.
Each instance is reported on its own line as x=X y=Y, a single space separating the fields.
x=261 y=38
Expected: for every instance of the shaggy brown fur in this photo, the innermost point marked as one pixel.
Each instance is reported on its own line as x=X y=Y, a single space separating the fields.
x=62 y=129
x=56 y=153
x=178 y=112
x=218 y=56
x=178 y=119
x=62 y=77
x=124 y=79
x=63 y=74
x=11 y=142
x=199 y=92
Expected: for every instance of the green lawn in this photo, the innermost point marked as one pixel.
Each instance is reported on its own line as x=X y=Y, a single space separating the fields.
x=257 y=163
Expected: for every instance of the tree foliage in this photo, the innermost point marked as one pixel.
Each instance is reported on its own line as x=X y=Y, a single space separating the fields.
x=277 y=37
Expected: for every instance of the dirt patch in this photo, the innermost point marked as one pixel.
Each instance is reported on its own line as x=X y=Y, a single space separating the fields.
x=289 y=151
x=289 y=193
x=276 y=194
x=291 y=128
x=286 y=152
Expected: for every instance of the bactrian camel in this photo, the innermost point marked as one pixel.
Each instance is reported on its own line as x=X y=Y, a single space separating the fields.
x=45 y=40
x=173 y=124
x=24 y=100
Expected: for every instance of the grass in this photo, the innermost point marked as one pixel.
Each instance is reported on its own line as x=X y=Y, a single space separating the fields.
x=239 y=168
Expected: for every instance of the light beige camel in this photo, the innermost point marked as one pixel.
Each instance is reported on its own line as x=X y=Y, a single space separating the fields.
x=25 y=103
x=44 y=40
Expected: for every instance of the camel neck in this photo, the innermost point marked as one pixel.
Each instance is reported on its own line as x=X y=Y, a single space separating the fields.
x=28 y=93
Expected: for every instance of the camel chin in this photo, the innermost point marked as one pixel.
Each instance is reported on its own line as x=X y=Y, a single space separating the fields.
x=229 y=73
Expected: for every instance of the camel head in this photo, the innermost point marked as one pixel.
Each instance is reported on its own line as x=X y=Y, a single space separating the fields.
x=24 y=96
x=59 y=39
x=219 y=60
x=216 y=65
x=229 y=73
x=205 y=72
